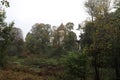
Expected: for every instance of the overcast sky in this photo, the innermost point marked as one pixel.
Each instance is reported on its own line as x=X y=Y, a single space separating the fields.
x=26 y=13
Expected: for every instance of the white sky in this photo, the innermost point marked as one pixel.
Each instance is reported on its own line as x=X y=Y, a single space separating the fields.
x=26 y=13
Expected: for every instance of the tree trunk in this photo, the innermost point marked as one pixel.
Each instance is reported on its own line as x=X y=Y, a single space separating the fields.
x=116 y=65
x=97 y=77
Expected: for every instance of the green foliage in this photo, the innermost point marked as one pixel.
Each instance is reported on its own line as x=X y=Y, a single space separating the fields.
x=75 y=65
x=16 y=45
x=86 y=37
x=5 y=36
x=70 y=41
x=100 y=41
x=37 y=41
x=53 y=52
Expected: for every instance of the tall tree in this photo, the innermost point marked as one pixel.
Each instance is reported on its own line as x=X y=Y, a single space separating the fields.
x=70 y=38
x=37 y=40
x=4 y=32
x=115 y=23
x=97 y=8
x=17 y=44
x=70 y=41
x=96 y=42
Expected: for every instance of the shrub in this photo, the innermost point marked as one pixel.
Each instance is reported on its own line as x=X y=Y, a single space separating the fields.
x=75 y=66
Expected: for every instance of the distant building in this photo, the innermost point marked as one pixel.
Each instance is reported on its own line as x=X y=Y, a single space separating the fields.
x=61 y=33
x=58 y=35
x=51 y=40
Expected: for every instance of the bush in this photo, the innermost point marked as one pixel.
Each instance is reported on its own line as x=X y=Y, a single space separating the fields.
x=3 y=60
x=75 y=66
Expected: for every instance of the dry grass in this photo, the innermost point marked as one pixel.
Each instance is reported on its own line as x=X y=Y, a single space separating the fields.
x=13 y=75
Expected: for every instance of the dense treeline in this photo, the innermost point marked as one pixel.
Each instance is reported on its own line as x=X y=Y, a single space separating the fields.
x=101 y=40
x=45 y=40
x=55 y=52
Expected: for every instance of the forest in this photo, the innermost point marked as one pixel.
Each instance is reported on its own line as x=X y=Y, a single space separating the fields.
x=54 y=52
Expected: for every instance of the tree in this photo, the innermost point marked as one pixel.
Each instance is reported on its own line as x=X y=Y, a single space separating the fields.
x=96 y=39
x=115 y=40
x=75 y=66
x=86 y=37
x=69 y=26
x=97 y=8
x=17 y=44
x=4 y=33
x=70 y=41
x=38 y=40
